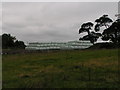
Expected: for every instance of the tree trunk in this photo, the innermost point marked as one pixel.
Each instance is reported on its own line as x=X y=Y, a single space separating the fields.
x=90 y=38
x=115 y=35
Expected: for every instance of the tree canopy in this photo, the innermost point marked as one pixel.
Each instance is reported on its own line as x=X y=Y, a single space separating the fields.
x=111 y=31
x=9 y=41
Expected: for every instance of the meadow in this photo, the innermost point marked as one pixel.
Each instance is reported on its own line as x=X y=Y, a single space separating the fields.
x=62 y=69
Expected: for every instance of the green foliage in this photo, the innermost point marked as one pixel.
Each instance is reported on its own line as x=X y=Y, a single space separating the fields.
x=63 y=69
x=111 y=32
x=9 y=41
x=103 y=21
x=92 y=36
x=86 y=27
x=19 y=44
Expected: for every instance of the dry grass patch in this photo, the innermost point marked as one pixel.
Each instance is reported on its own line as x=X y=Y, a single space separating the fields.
x=51 y=69
x=99 y=62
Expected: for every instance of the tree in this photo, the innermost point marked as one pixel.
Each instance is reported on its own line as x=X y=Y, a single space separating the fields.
x=92 y=36
x=86 y=27
x=102 y=21
x=113 y=32
x=0 y=42
x=19 y=44
x=9 y=41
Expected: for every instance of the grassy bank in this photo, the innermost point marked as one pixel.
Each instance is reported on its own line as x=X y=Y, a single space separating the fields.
x=62 y=69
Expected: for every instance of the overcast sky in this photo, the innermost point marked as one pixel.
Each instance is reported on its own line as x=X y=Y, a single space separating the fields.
x=38 y=22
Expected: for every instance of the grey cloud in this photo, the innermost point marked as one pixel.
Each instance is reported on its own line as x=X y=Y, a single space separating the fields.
x=51 y=21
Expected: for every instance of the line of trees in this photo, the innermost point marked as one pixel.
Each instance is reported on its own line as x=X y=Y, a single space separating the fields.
x=10 y=42
x=111 y=30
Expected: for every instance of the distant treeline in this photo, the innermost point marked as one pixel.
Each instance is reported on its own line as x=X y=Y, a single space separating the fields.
x=10 y=42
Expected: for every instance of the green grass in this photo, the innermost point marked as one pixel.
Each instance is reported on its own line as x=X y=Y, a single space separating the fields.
x=62 y=69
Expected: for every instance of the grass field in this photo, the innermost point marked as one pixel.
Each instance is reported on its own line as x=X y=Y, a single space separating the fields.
x=62 y=69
